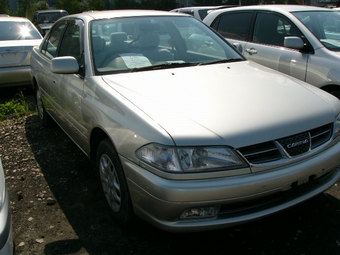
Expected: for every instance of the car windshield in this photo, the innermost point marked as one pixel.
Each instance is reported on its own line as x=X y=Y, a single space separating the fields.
x=148 y=43
x=324 y=25
x=11 y=30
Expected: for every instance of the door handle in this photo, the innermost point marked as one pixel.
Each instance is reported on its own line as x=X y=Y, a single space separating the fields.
x=251 y=51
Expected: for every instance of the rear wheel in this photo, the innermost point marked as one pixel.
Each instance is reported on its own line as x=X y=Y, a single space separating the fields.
x=45 y=118
x=113 y=183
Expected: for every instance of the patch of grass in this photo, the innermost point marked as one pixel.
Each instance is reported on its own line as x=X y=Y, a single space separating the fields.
x=18 y=106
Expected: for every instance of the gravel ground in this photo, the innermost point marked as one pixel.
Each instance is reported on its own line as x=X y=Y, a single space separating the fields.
x=57 y=209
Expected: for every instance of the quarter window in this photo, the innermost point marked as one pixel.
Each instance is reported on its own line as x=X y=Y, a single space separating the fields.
x=50 y=45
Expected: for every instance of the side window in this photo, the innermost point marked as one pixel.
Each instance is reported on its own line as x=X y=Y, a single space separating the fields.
x=50 y=45
x=272 y=29
x=234 y=25
x=70 y=44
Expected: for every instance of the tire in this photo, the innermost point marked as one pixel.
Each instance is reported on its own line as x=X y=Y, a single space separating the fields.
x=335 y=93
x=113 y=184
x=44 y=117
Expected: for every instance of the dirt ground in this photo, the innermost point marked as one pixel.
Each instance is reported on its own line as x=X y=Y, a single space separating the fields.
x=57 y=209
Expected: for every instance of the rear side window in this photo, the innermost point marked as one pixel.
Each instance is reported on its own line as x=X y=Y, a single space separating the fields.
x=234 y=25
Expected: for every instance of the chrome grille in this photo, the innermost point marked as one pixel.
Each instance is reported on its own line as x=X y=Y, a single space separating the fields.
x=293 y=145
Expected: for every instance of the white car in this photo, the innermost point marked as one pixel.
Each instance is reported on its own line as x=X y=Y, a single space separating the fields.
x=176 y=131
x=6 y=236
x=298 y=40
x=17 y=38
x=200 y=12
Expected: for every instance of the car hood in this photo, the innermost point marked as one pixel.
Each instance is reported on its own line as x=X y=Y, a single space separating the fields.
x=236 y=104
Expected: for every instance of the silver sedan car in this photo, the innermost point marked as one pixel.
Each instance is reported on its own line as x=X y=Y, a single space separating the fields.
x=181 y=129
x=17 y=38
x=298 y=40
x=6 y=236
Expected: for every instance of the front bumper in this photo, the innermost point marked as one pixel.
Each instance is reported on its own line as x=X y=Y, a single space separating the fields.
x=241 y=199
x=6 y=235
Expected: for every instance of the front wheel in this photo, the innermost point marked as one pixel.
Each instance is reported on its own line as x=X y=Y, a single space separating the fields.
x=113 y=183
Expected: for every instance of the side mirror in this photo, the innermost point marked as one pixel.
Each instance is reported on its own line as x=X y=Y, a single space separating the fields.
x=238 y=46
x=293 y=42
x=64 y=65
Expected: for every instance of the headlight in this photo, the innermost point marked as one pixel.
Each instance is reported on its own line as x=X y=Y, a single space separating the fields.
x=337 y=126
x=189 y=159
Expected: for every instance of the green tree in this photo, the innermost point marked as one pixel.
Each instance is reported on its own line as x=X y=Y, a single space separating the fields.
x=4 y=7
x=41 y=5
x=96 y=5
x=167 y=5
x=71 y=6
x=125 y=4
x=24 y=8
x=208 y=2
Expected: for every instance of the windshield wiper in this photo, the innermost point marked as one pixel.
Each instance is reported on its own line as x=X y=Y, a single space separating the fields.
x=168 y=64
x=222 y=61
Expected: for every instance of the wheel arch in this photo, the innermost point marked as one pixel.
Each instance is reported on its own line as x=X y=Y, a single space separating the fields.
x=34 y=83
x=97 y=135
x=332 y=89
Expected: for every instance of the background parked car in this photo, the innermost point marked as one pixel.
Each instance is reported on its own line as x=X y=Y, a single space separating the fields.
x=177 y=133
x=199 y=12
x=302 y=41
x=44 y=19
x=17 y=38
x=6 y=236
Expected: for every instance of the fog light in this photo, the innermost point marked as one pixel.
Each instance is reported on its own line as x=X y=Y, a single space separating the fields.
x=200 y=213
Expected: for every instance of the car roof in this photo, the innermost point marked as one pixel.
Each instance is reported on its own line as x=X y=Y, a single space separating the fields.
x=46 y=11
x=199 y=7
x=123 y=13
x=13 y=18
x=275 y=7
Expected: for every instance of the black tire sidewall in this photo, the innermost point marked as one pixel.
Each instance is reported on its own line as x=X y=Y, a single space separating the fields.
x=45 y=118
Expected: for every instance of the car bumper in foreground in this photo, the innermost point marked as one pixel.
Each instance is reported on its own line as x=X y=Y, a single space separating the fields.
x=6 y=236
x=15 y=76
x=223 y=202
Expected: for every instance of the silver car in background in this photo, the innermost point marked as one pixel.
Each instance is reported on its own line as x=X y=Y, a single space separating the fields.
x=298 y=40
x=176 y=131
x=17 y=38
x=200 y=12
x=6 y=236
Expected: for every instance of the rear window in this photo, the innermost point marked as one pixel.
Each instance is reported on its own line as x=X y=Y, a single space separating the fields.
x=11 y=30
